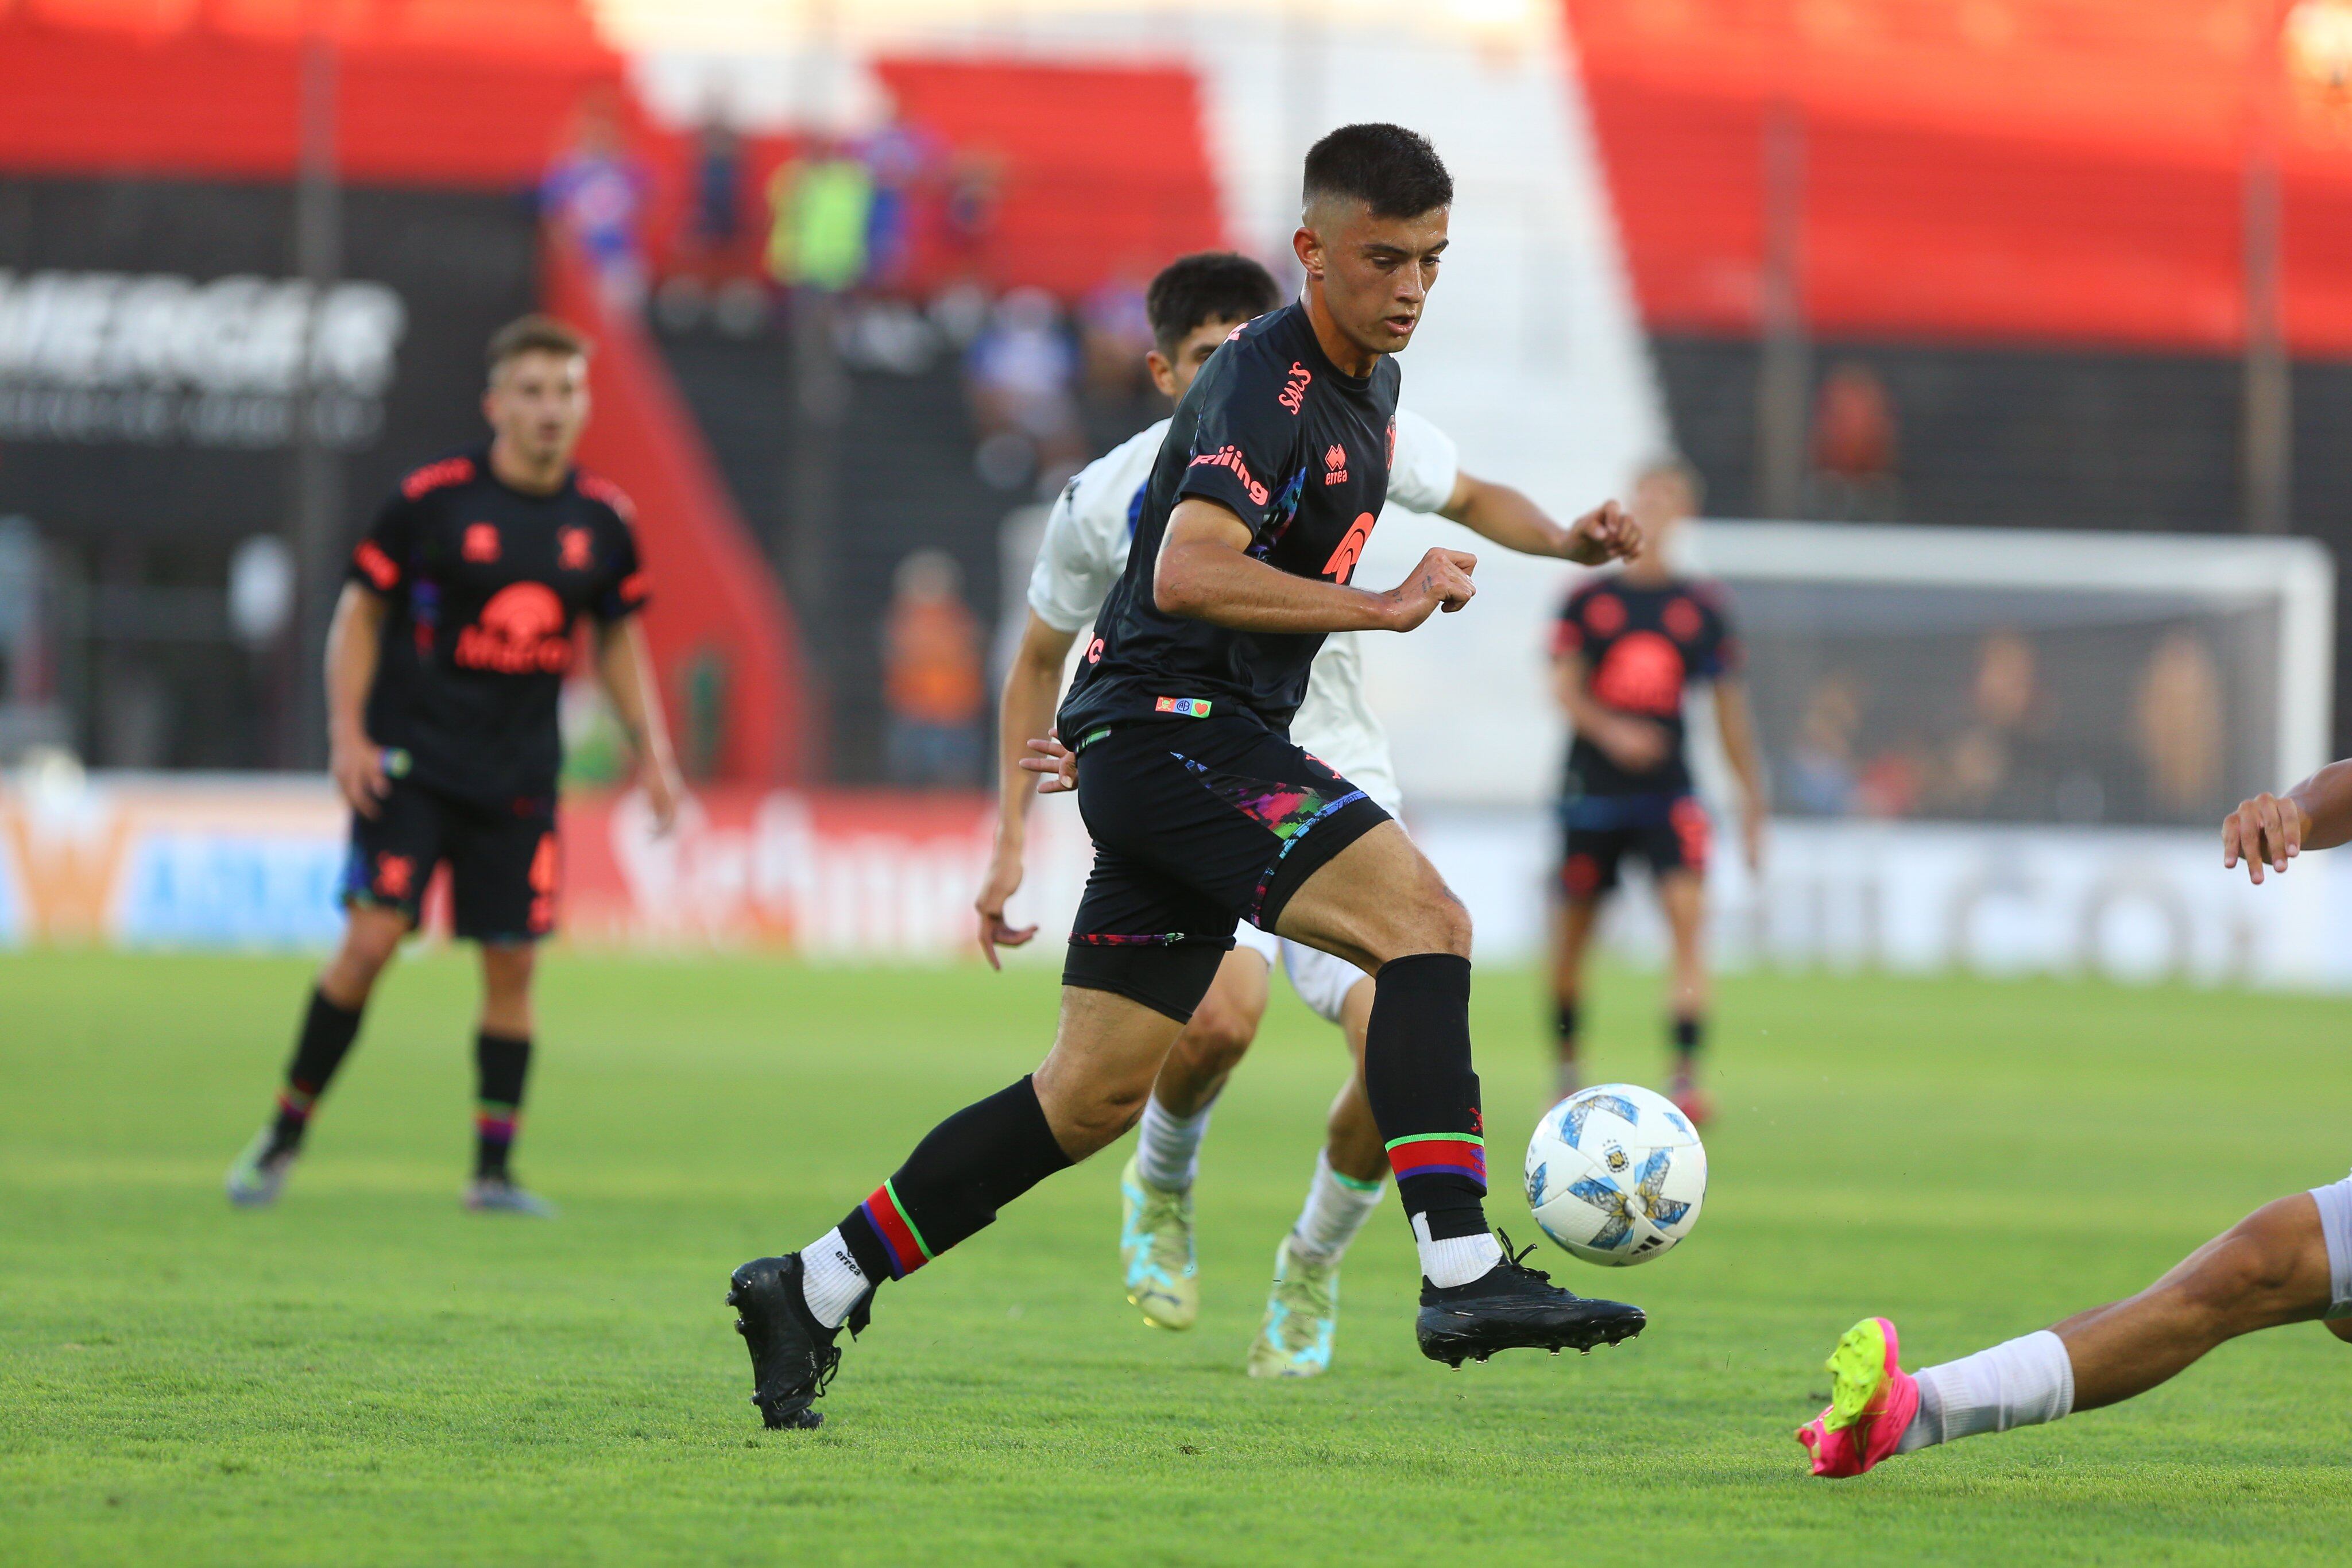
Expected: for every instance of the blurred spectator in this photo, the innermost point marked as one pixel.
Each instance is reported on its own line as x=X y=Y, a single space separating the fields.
x=931 y=676
x=717 y=221
x=594 y=195
x=1855 y=444
x=2179 y=726
x=968 y=216
x=896 y=157
x=1998 y=764
x=1820 y=777
x=820 y=205
x=1021 y=371
x=1115 y=333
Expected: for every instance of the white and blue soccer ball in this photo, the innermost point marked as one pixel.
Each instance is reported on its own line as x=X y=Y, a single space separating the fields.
x=1616 y=1175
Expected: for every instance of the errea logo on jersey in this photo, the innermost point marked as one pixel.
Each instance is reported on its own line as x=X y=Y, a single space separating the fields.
x=1335 y=464
x=1183 y=707
x=1231 y=457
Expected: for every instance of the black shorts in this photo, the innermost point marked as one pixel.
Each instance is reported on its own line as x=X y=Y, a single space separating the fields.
x=1669 y=832
x=505 y=864
x=1197 y=823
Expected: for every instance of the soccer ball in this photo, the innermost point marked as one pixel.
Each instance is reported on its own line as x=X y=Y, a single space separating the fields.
x=1616 y=1175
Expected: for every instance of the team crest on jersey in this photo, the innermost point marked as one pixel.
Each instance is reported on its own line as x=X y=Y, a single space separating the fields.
x=1294 y=390
x=575 y=549
x=521 y=633
x=1335 y=464
x=1183 y=707
x=481 y=543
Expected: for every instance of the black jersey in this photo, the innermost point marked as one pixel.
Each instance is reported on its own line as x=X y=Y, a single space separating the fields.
x=1642 y=644
x=1271 y=430
x=486 y=583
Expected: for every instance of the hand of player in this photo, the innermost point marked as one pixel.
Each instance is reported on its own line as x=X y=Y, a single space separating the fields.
x=1751 y=836
x=1633 y=744
x=357 y=764
x=1003 y=880
x=1442 y=582
x=663 y=790
x=1604 y=534
x=2266 y=830
x=1058 y=762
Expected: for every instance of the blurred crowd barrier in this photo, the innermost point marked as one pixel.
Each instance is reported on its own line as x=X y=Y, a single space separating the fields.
x=254 y=863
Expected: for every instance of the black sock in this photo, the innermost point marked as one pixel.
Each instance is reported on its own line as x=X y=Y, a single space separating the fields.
x=326 y=1039
x=1686 y=1034
x=964 y=1170
x=1424 y=1095
x=499 y=1063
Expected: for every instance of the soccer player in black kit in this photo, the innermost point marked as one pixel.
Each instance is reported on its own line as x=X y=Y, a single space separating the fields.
x=1201 y=808
x=445 y=661
x=1624 y=651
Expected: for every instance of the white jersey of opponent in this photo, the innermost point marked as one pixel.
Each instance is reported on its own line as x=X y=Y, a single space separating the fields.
x=1087 y=538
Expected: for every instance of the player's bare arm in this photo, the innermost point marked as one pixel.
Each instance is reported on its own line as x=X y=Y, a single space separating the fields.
x=1511 y=519
x=1736 y=723
x=353 y=645
x=1634 y=744
x=624 y=665
x=2272 y=829
x=1025 y=709
x=1205 y=572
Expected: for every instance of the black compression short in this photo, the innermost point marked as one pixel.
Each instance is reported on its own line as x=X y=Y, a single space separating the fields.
x=1197 y=823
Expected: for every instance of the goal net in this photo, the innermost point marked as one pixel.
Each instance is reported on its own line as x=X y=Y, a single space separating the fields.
x=2027 y=677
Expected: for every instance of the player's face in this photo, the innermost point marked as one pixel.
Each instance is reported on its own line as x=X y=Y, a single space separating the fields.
x=1375 y=274
x=537 y=404
x=1174 y=377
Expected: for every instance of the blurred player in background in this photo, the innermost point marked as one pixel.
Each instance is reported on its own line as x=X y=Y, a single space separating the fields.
x=1624 y=651
x=2290 y=1261
x=445 y=661
x=1194 y=305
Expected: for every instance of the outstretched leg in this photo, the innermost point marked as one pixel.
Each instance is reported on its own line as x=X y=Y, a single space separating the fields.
x=2289 y=1261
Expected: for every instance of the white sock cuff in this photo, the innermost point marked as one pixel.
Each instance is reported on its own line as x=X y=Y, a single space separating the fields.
x=2023 y=1382
x=831 y=1280
x=1168 y=1146
x=1337 y=1206
x=1456 y=1260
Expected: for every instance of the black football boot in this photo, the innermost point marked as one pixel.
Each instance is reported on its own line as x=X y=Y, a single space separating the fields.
x=792 y=1355
x=1512 y=1306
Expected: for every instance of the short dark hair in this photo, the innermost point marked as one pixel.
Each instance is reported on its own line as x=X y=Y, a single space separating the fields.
x=534 y=335
x=1393 y=171
x=1208 y=286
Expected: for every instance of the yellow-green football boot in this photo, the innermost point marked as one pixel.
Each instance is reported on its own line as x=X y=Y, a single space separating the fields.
x=1301 y=1313
x=1155 y=1247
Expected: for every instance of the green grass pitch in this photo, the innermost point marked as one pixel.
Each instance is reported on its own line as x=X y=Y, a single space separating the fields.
x=367 y=1375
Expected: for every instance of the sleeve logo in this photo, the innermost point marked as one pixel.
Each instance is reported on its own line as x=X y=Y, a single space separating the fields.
x=1231 y=457
x=1343 y=564
x=377 y=565
x=1294 y=390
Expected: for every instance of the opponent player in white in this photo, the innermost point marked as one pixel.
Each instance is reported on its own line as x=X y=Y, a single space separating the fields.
x=2290 y=1261
x=1194 y=305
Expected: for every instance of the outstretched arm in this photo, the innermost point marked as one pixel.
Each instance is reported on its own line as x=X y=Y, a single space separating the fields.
x=1024 y=711
x=2272 y=829
x=1205 y=572
x=1508 y=517
x=626 y=666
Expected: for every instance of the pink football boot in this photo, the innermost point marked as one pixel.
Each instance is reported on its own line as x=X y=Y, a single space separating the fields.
x=1871 y=1402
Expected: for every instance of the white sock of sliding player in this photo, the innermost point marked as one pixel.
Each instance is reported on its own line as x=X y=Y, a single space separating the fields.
x=1168 y=1147
x=2019 y=1382
x=1337 y=1208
